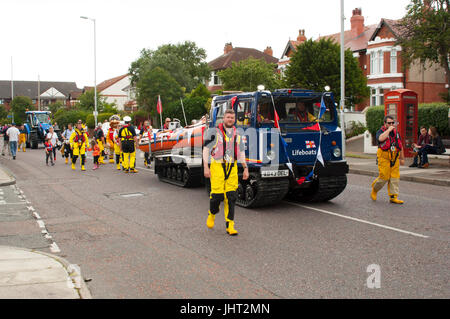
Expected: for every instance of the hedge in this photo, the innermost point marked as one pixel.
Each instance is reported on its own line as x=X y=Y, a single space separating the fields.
x=64 y=117
x=430 y=114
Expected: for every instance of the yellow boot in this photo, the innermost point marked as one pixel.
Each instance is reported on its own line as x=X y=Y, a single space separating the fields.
x=373 y=195
x=83 y=168
x=67 y=160
x=395 y=200
x=230 y=229
x=73 y=166
x=118 y=167
x=210 y=220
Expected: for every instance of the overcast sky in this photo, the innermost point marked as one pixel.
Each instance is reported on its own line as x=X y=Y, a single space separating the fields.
x=47 y=37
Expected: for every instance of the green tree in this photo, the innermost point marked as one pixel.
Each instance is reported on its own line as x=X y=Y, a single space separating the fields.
x=156 y=82
x=194 y=107
x=3 y=112
x=247 y=74
x=201 y=91
x=316 y=64
x=185 y=62
x=87 y=101
x=54 y=107
x=425 y=34
x=19 y=105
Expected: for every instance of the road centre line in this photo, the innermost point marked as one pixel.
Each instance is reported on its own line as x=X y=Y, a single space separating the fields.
x=359 y=220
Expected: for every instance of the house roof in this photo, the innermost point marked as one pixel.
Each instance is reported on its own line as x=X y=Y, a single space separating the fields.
x=393 y=25
x=30 y=88
x=238 y=54
x=107 y=83
x=353 y=43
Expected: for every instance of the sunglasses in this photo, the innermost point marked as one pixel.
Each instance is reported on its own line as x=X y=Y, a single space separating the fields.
x=390 y=123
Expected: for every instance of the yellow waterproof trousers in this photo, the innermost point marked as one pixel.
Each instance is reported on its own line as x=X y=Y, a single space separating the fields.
x=387 y=174
x=129 y=160
x=223 y=189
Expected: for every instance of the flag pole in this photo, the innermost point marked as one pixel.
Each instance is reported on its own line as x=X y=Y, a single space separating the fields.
x=184 y=114
x=159 y=109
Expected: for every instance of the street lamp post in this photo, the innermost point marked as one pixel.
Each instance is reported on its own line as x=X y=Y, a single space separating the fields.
x=95 y=69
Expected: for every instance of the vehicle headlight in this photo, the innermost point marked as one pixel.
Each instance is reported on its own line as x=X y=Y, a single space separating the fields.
x=337 y=152
x=271 y=155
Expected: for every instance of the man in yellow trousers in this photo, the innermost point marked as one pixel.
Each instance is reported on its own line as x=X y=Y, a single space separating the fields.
x=222 y=150
x=128 y=141
x=79 y=143
x=389 y=157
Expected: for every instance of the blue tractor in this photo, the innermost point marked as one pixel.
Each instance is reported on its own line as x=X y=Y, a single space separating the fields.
x=293 y=145
x=37 y=125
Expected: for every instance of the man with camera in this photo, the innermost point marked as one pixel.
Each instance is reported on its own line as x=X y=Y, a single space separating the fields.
x=389 y=158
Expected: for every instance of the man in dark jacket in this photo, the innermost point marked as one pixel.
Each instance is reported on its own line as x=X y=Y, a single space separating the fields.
x=424 y=139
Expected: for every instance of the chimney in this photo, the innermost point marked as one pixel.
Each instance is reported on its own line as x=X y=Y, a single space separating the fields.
x=357 y=22
x=228 y=48
x=301 y=36
x=269 y=51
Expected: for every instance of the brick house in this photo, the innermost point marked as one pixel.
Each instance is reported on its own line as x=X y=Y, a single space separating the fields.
x=379 y=58
x=116 y=90
x=231 y=55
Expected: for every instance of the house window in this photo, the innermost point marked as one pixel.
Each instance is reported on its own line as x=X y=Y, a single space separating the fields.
x=216 y=79
x=376 y=97
x=380 y=62
x=372 y=63
x=393 y=61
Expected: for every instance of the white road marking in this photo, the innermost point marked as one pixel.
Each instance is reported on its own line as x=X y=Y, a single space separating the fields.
x=359 y=220
x=54 y=248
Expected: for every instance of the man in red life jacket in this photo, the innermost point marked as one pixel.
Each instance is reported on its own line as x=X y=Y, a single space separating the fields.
x=389 y=157
x=222 y=150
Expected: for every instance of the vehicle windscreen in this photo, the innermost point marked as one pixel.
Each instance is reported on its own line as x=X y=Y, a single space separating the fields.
x=43 y=118
x=294 y=110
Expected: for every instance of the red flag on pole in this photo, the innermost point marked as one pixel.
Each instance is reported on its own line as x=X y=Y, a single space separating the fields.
x=159 y=105
x=277 y=118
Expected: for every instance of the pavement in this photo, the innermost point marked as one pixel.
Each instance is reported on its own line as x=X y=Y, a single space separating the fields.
x=33 y=274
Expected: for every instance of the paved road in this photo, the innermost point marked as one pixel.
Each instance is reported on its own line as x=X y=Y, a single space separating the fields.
x=138 y=238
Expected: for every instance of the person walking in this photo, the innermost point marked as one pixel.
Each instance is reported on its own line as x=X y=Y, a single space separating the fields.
x=66 y=138
x=145 y=131
x=128 y=141
x=389 y=157
x=53 y=137
x=99 y=136
x=5 y=140
x=48 y=151
x=95 y=153
x=13 y=135
x=117 y=152
x=22 y=138
x=79 y=143
x=223 y=147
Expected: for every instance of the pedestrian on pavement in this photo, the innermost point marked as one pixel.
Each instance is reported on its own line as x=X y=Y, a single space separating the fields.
x=66 y=138
x=389 y=157
x=128 y=141
x=22 y=138
x=6 y=140
x=145 y=131
x=79 y=143
x=95 y=152
x=424 y=139
x=48 y=151
x=223 y=147
x=434 y=147
x=13 y=135
x=53 y=137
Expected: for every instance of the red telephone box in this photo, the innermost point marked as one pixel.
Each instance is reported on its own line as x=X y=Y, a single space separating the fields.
x=402 y=105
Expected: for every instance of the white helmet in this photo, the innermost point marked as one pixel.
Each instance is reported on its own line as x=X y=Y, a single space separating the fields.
x=127 y=119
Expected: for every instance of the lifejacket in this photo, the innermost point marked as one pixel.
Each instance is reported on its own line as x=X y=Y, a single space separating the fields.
x=111 y=133
x=128 y=136
x=392 y=143
x=79 y=138
x=218 y=152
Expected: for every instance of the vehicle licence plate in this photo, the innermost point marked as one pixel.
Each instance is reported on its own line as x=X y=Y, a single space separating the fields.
x=275 y=173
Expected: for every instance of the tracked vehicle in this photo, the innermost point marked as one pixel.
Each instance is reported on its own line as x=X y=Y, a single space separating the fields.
x=284 y=152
